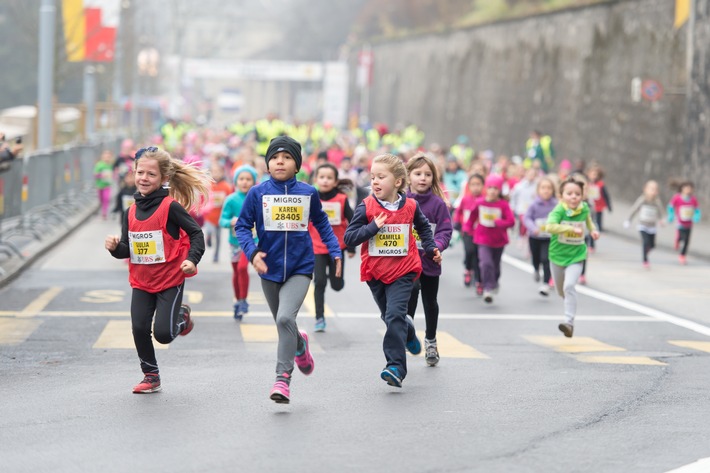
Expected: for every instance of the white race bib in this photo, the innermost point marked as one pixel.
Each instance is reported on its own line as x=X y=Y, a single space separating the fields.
x=487 y=216
x=593 y=192
x=539 y=222
x=418 y=239
x=391 y=240
x=286 y=213
x=570 y=237
x=218 y=198
x=466 y=216
x=146 y=247
x=648 y=213
x=127 y=201
x=685 y=213
x=333 y=210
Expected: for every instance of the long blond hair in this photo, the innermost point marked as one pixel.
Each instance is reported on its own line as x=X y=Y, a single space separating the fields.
x=395 y=166
x=421 y=159
x=187 y=184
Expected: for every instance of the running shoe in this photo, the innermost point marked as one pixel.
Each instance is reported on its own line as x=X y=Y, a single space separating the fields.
x=479 y=289
x=544 y=290
x=567 y=329
x=320 y=325
x=682 y=259
x=391 y=375
x=150 y=384
x=487 y=297
x=304 y=361
x=646 y=265
x=467 y=278
x=280 y=393
x=189 y=324
x=583 y=280
x=414 y=346
x=431 y=352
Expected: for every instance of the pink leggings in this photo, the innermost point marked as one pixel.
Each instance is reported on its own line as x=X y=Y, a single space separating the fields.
x=104 y=198
x=240 y=277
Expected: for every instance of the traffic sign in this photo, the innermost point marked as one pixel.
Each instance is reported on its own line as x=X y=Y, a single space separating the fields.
x=651 y=90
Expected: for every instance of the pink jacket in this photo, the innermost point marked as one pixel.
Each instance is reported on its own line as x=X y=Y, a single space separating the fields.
x=463 y=212
x=492 y=220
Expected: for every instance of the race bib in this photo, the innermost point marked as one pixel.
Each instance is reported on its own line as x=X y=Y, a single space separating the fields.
x=286 y=213
x=648 y=213
x=146 y=247
x=418 y=239
x=127 y=201
x=487 y=216
x=593 y=193
x=539 y=222
x=570 y=237
x=391 y=240
x=218 y=198
x=466 y=216
x=333 y=210
x=685 y=213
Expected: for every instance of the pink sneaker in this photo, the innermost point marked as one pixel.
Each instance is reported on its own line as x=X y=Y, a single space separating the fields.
x=305 y=361
x=646 y=265
x=583 y=280
x=682 y=259
x=280 y=393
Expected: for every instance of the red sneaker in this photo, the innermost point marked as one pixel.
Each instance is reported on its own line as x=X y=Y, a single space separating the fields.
x=467 y=278
x=479 y=289
x=189 y=324
x=150 y=384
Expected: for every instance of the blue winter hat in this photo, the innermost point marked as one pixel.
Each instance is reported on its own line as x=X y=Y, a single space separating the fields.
x=242 y=169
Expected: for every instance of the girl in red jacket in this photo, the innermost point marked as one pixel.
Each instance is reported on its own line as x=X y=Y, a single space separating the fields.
x=598 y=197
x=164 y=245
x=335 y=204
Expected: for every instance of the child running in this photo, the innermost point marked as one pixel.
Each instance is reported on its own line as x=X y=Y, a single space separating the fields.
x=568 y=250
x=535 y=218
x=335 y=203
x=599 y=198
x=219 y=191
x=425 y=189
x=390 y=261
x=164 y=245
x=489 y=222
x=684 y=208
x=650 y=211
x=472 y=271
x=280 y=209
x=244 y=179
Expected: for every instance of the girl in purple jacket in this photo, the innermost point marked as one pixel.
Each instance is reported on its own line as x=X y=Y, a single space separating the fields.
x=539 y=241
x=494 y=218
x=425 y=189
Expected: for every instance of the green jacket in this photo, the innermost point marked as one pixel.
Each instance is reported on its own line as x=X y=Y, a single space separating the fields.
x=566 y=246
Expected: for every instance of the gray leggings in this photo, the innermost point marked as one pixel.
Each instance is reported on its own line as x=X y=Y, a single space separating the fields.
x=284 y=301
x=565 y=280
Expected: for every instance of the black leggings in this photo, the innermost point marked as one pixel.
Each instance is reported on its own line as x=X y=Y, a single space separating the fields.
x=429 y=286
x=325 y=269
x=539 y=250
x=470 y=261
x=684 y=237
x=169 y=322
x=649 y=243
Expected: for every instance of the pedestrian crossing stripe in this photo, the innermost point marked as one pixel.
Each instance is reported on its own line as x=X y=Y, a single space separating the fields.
x=577 y=347
x=259 y=333
x=694 y=344
x=117 y=334
x=451 y=347
x=16 y=331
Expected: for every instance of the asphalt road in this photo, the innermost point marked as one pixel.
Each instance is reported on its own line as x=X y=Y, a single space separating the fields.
x=627 y=394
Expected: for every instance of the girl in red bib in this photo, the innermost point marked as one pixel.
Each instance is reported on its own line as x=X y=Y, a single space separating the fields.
x=164 y=245
x=390 y=260
x=335 y=204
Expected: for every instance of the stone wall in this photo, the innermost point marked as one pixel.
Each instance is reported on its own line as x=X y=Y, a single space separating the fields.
x=568 y=74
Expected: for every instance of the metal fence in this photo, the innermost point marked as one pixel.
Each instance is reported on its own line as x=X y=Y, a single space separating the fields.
x=45 y=188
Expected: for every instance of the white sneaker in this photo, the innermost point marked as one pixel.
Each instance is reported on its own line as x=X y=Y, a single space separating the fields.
x=487 y=297
x=544 y=290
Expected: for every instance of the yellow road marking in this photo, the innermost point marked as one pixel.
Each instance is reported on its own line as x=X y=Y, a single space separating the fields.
x=103 y=296
x=117 y=334
x=619 y=360
x=38 y=305
x=16 y=331
x=257 y=333
x=572 y=345
x=193 y=297
x=450 y=347
x=694 y=344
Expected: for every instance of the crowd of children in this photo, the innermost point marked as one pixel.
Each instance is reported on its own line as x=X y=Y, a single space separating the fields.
x=293 y=211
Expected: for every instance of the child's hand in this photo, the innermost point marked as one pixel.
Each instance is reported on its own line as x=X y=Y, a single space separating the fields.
x=351 y=255
x=338 y=267
x=111 y=242
x=437 y=256
x=595 y=235
x=259 y=263
x=233 y=222
x=188 y=267
x=380 y=220
x=579 y=231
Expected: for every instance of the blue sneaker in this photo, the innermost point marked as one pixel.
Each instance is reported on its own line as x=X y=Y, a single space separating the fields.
x=320 y=325
x=245 y=307
x=391 y=375
x=414 y=346
x=237 y=311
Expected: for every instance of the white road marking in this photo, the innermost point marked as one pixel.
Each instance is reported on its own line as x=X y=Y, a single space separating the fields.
x=618 y=301
x=700 y=466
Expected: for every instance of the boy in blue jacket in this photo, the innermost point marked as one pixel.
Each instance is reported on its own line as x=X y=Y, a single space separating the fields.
x=280 y=209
